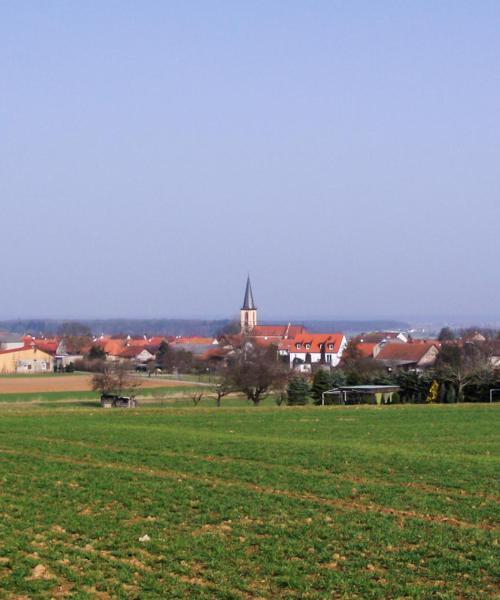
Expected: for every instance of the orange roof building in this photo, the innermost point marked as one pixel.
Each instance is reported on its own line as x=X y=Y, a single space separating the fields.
x=308 y=348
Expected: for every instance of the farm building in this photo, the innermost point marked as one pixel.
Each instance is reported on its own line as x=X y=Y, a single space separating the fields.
x=28 y=359
x=415 y=355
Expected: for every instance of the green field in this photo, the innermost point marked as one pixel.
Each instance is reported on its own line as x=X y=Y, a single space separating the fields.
x=268 y=502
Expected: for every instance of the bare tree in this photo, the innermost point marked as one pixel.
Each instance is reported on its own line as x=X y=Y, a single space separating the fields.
x=196 y=398
x=255 y=371
x=464 y=365
x=116 y=379
x=222 y=389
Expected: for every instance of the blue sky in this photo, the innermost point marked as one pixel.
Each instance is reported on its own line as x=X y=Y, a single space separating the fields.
x=344 y=153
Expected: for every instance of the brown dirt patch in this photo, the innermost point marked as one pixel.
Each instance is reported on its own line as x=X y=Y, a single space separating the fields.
x=67 y=383
x=41 y=572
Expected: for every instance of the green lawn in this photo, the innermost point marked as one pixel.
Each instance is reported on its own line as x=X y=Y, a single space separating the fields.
x=157 y=395
x=268 y=502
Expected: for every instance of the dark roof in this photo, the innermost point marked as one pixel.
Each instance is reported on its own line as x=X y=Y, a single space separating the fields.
x=376 y=337
x=248 y=303
x=412 y=352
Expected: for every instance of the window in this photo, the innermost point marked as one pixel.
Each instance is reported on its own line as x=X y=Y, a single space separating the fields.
x=308 y=346
x=297 y=346
x=330 y=346
x=329 y=358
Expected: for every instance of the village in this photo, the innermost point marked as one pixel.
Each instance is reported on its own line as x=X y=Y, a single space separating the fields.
x=453 y=363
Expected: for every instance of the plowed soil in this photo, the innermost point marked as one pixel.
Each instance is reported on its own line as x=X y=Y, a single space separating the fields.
x=65 y=383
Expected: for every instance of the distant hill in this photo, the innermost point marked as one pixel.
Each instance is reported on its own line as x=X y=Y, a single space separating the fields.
x=202 y=327
x=354 y=327
x=132 y=327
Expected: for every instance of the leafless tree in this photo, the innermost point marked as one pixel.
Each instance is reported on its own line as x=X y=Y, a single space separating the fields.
x=255 y=371
x=222 y=389
x=196 y=398
x=116 y=379
x=464 y=365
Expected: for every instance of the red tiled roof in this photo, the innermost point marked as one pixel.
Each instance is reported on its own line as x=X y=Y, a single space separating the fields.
x=366 y=349
x=315 y=341
x=214 y=353
x=411 y=352
x=49 y=346
x=279 y=331
x=156 y=340
x=132 y=351
x=113 y=347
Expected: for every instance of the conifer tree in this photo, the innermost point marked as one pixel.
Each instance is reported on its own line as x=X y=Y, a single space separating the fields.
x=298 y=392
x=321 y=383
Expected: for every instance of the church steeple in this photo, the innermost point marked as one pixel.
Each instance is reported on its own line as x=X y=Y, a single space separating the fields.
x=248 y=312
x=248 y=303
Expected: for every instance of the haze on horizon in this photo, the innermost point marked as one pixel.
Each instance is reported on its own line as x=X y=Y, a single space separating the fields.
x=343 y=153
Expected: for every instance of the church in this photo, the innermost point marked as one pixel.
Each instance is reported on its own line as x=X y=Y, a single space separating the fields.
x=300 y=348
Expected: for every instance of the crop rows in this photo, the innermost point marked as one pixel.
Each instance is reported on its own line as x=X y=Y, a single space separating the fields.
x=394 y=502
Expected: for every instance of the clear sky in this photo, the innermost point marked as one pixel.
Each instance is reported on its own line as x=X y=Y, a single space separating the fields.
x=346 y=154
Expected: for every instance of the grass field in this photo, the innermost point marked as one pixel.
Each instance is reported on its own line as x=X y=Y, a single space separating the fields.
x=76 y=388
x=341 y=502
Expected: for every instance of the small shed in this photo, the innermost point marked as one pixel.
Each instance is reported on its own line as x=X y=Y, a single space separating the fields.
x=113 y=401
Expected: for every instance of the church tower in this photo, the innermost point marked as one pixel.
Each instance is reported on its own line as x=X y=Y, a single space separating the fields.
x=248 y=312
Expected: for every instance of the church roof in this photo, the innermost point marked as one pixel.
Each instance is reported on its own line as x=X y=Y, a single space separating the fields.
x=248 y=303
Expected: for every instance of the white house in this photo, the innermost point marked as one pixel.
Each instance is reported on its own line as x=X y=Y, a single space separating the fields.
x=309 y=348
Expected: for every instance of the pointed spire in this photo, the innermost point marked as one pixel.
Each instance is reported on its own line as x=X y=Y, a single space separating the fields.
x=248 y=303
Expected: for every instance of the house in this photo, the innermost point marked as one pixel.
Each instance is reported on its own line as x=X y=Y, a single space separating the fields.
x=275 y=333
x=10 y=341
x=28 y=359
x=495 y=354
x=368 y=349
x=295 y=344
x=113 y=347
x=414 y=355
x=306 y=349
x=382 y=337
x=198 y=346
x=71 y=349
x=137 y=354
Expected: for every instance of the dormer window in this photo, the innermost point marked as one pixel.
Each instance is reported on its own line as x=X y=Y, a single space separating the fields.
x=330 y=346
x=321 y=346
x=297 y=346
x=308 y=346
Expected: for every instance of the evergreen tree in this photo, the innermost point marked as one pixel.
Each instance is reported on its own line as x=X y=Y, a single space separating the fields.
x=298 y=392
x=321 y=383
x=337 y=378
x=162 y=351
x=446 y=335
x=96 y=353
